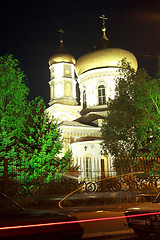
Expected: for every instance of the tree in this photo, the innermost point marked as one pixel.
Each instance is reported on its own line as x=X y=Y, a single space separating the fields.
x=131 y=126
x=13 y=93
x=30 y=141
x=39 y=150
x=147 y=101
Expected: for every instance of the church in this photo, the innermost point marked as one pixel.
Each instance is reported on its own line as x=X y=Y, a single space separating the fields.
x=95 y=72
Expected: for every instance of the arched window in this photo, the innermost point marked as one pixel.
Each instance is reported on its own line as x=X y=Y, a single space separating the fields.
x=101 y=95
x=84 y=99
x=68 y=90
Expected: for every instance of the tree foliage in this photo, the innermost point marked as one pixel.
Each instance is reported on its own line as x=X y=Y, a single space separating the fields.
x=30 y=141
x=41 y=145
x=13 y=98
x=132 y=123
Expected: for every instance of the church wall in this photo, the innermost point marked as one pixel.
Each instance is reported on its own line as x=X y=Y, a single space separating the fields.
x=87 y=155
x=64 y=112
x=74 y=133
x=90 y=81
x=62 y=84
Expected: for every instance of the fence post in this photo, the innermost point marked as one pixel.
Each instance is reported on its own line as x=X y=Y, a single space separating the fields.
x=103 y=176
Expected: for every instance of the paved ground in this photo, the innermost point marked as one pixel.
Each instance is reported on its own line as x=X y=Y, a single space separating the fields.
x=95 y=205
x=109 y=207
x=90 y=202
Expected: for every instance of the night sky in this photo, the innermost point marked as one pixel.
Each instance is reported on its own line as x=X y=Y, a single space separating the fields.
x=29 y=30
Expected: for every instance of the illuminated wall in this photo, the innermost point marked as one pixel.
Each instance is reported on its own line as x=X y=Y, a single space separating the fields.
x=62 y=84
x=63 y=103
x=87 y=155
x=64 y=112
x=90 y=82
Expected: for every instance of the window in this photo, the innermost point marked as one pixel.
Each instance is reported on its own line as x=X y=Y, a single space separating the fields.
x=84 y=99
x=59 y=90
x=67 y=70
x=68 y=90
x=101 y=95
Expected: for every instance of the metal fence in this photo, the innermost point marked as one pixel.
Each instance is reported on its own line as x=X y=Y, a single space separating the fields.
x=127 y=174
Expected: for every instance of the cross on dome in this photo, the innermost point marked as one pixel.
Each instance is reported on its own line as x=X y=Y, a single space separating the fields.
x=103 y=17
x=61 y=32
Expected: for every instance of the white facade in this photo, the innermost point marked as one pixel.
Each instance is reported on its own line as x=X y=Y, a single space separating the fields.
x=64 y=112
x=62 y=83
x=88 y=156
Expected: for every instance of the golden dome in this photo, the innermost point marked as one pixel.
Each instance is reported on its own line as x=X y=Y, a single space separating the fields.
x=104 y=55
x=62 y=56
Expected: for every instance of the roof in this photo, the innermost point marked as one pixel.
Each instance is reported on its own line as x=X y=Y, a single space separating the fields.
x=104 y=58
x=88 y=119
x=62 y=56
x=88 y=138
x=96 y=109
x=75 y=124
x=104 y=54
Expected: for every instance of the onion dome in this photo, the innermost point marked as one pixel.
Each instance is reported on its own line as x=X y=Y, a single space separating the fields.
x=104 y=54
x=62 y=56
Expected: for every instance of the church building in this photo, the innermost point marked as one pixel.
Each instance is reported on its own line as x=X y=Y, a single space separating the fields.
x=96 y=72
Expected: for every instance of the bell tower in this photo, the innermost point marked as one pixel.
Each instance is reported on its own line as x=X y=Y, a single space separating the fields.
x=62 y=76
x=63 y=83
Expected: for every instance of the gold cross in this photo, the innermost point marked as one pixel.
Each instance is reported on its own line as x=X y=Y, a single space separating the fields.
x=104 y=18
x=62 y=32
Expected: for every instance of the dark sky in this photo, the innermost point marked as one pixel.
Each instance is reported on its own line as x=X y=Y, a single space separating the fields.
x=29 y=30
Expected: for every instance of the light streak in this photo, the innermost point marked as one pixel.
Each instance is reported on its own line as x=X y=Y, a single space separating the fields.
x=78 y=221
x=102 y=179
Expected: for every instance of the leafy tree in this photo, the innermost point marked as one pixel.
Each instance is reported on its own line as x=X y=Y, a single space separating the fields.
x=131 y=126
x=147 y=101
x=13 y=93
x=30 y=141
x=38 y=156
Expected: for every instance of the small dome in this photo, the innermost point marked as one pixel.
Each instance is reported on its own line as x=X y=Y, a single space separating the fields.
x=105 y=54
x=62 y=56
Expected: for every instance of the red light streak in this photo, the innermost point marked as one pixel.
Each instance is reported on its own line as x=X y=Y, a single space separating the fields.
x=77 y=221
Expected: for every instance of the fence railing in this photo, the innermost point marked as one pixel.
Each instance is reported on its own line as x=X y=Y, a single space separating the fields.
x=127 y=174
